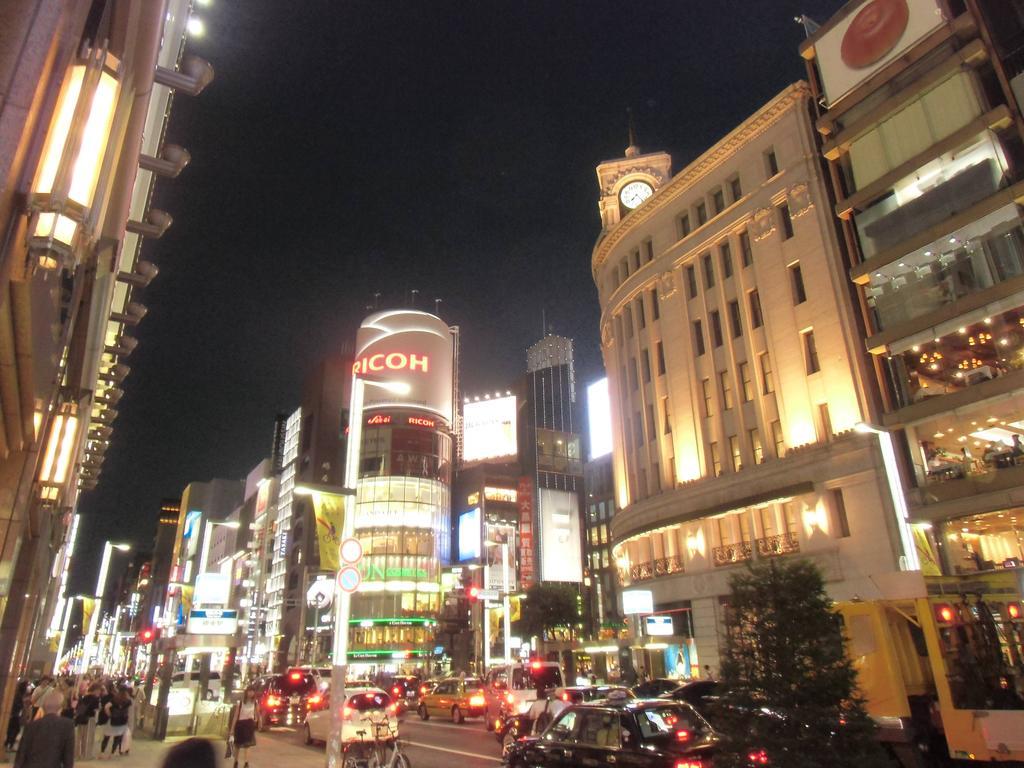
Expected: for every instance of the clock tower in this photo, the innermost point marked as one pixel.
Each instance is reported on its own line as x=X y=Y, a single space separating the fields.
x=628 y=182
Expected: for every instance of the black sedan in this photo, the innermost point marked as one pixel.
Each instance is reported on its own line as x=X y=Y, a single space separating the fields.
x=694 y=692
x=655 y=687
x=637 y=733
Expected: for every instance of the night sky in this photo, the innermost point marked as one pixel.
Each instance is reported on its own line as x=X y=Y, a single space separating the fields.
x=352 y=147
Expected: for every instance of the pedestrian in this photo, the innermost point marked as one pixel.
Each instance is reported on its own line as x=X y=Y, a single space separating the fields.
x=48 y=742
x=191 y=753
x=243 y=726
x=21 y=700
x=707 y=672
x=43 y=687
x=117 y=723
x=88 y=706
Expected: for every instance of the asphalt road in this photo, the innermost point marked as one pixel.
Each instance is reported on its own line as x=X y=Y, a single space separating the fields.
x=431 y=744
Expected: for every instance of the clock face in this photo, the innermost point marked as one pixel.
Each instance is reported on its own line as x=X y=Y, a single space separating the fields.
x=635 y=193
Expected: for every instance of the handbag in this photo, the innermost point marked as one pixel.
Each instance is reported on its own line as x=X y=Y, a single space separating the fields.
x=229 y=751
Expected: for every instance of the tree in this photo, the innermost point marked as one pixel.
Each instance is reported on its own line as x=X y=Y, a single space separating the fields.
x=790 y=688
x=548 y=606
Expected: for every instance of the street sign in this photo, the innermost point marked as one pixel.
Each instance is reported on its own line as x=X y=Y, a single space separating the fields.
x=349 y=579
x=351 y=551
x=487 y=594
x=212 y=621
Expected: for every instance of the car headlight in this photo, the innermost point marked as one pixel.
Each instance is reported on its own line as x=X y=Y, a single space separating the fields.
x=524 y=707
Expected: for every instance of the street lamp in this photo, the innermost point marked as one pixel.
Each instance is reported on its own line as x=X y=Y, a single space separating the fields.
x=909 y=561
x=343 y=602
x=108 y=548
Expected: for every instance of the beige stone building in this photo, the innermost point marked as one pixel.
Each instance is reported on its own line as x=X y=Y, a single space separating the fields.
x=737 y=379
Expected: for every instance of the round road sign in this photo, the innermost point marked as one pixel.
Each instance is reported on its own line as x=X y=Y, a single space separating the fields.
x=349 y=578
x=351 y=551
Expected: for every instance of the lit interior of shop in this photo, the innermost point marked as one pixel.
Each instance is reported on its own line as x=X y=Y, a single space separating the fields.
x=985 y=542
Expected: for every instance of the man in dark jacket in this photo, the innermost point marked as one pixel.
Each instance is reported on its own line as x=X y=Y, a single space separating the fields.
x=48 y=742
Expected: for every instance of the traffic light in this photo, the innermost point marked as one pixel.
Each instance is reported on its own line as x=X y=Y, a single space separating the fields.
x=945 y=615
x=147 y=635
x=474 y=592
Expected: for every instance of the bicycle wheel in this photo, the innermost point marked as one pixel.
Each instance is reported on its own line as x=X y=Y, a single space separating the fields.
x=401 y=761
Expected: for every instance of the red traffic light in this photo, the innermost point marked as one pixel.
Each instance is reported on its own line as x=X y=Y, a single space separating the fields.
x=474 y=592
x=147 y=635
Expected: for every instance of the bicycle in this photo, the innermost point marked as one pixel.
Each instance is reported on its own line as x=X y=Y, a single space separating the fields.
x=377 y=757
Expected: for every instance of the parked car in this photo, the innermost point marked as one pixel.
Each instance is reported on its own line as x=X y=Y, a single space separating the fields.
x=363 y=709
x=510 y=689
x=456 y=697
x=655 y=687
x=212 y=686
x=638 y=733
x=694 y=692
x=284 y=698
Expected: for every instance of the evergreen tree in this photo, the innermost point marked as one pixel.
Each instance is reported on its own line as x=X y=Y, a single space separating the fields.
x=790 y=688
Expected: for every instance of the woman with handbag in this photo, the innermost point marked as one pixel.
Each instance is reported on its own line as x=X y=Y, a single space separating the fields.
x=243 y=727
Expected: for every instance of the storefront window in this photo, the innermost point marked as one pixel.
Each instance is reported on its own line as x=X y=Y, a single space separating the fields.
x=985 y=542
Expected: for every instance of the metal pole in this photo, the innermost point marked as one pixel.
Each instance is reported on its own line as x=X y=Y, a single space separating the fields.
x=505 y=601
x=343 y=603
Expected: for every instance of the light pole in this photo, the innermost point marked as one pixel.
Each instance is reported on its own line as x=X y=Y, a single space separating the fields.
x=68 y=603
x=108 y=548
x=910 y=561
x=343 y=599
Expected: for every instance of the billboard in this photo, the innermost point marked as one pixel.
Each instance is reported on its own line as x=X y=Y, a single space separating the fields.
x=408 y=347
x=637 y=601
x=489 y=429
x=469 y=534
x=871 y=35
x=524 y=503
x=496 y=534
x=599 y=419
x=560 y=541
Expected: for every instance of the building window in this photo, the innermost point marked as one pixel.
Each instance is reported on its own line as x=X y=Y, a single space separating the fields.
x=698 y=338
x=735 y=189
x=756 y=320
x=771 y=162
x=649 y=250
x=655 y=306
x=641 y=316
x=655 y=477
x=755 y=445
x=824 y=423
x=645 y=358
x=725 y=383
x=778 y=438
x=766 y=374
x=636 y=259
x=638 y=430
x=691 y=281
x=842 y=523
x=735 y=320
x=627 y=321
x=811 y=353
x=734 y=451
x=634 y=383
x=709 y=271
x=652 y=426
x=716 y=461
x=748 y=254
x=785 y=220
x=796 y=279
x=746 y=382
x=624 y=269
x=717 y=200
x=726 y=259
x=716 y=328
x=643 y=483
x=702 y=213
x=666 y=416
x=684 y=225
x=660 y=353
x=705 y=385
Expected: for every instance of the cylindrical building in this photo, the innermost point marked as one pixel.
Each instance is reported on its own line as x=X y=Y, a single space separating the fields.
x=403 y=508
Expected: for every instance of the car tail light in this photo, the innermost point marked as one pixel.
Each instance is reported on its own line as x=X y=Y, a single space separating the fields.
x=314 y=700
x=497 y=723
x=392 y=708
x=346 y=712
x=758 y=757
x=272 y=700
x=689 y=764
x=424 y=689
x=565 y=695
x=683 y=735
x=1013 y=610
x=535 y=665
x=477 y=700
x=510 y=698
x=396 y=690
x=295 y=676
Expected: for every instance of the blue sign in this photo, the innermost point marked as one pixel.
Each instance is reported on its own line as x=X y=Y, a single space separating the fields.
x=469 y=535
x=659 y=626
x=190 y=523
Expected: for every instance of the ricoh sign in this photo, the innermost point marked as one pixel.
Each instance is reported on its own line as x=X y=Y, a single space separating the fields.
x=411 y=347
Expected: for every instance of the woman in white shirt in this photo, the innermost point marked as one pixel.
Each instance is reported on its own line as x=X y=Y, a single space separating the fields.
x=243 y=726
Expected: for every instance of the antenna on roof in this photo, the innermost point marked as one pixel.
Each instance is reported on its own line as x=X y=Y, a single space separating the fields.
x=810 y=25
x=437 y=306
x=414 y=293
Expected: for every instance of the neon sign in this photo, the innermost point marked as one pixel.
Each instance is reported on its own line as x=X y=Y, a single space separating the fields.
x=392 y=361
x=377 y=420
x=421 y=421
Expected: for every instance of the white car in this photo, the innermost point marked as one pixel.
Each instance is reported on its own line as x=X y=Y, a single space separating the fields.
x=512 y=688
x=212 y=687
x=362 y=709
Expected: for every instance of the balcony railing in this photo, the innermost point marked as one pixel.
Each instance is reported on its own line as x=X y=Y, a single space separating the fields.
x=780 y=544
x=641 y=571
x=728 y=554
x=668 y=565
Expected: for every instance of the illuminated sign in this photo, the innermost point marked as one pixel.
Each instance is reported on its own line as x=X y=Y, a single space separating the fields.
x=421 y=421
x=560 y=539
x=469 y=534
x=500 y=494
x=377 y=420
x=637 y=601
x=489 y=429
x=212 y=621
x=599 y=419
x=473 y=499
x=659 y=626
x=524 y=501
x=190 y=523
x=410 y=348
x=393 y=361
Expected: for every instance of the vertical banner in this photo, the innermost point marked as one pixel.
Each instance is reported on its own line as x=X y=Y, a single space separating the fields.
x=561 y=547
x=925 y=551
x=329 y=510
x=524 y=500
x=88 y=606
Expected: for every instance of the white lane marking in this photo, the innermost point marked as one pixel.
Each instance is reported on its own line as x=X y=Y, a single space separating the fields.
x=489 y=758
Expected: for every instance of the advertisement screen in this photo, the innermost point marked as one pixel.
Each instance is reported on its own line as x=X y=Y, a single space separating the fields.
x=659 y=626
x=469 y=534
x=870 y=36
x=637 y=601
x=599 y=419
x=489 y=429
x=410 y=348
x=498 y=557
x=561 y=558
